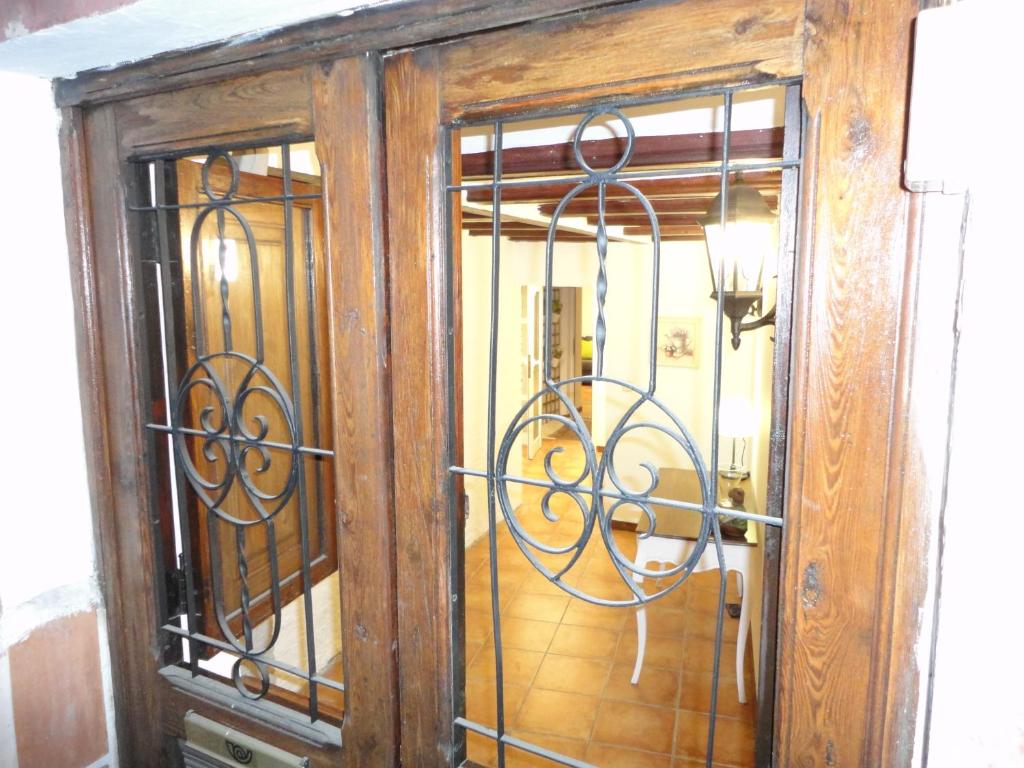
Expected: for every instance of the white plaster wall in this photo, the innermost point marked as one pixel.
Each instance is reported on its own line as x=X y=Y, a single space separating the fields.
x=685 y=288
x=518 y=268
x=149 y=27
x=977 y=711
x=47 y=563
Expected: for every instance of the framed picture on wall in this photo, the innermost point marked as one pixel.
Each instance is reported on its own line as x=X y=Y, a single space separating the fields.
x=679 y=342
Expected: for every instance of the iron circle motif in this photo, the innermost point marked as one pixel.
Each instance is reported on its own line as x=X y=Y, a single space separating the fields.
x=213 y=157
x=238 y=753
x=627 y=153
x=605 y=498
x=230 y=435
x=262 y=678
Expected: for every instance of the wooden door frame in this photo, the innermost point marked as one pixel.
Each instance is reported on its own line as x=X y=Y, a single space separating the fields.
x=855 y=578
x=339 y=105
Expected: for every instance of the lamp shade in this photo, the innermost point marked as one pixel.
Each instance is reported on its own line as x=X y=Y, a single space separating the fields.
x=736 y=417
x=740 y=249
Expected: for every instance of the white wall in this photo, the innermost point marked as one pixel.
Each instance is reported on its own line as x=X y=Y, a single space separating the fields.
x=685 y=290
x=148 y=27
x=977 y=711
x=47 y=561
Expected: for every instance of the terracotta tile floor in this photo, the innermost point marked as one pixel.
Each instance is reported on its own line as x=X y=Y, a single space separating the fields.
x=567 y=663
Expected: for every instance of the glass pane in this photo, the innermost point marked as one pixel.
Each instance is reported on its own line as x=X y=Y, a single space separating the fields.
x=598 y=397
x=234 y=275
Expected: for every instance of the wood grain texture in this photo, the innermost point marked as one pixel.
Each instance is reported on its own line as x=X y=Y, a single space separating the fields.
x=114 y=371
x=348 y=107
x=834 y=639
x=418 y=352
x=75 y=151
x=638 y=48
x=268 y=106
x=918 y=467
x=118 y=460
x=387 y=26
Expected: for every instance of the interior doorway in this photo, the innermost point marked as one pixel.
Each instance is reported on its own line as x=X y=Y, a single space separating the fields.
x=430 y=95
x=610 y=617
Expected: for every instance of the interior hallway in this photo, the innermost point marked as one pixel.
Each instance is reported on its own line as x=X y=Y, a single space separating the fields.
x=568 y=663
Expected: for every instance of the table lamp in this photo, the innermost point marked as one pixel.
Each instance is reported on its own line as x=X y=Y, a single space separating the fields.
x=736 y=419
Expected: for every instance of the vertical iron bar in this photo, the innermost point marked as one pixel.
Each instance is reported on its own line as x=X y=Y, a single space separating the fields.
x=601 y=291
x=244 y=596
x=656 y=280
x=456 y=529
x=492 y=366
x=225 y=309
x=172 y=370
x=293 y=359
x=791 y=150
x=716 y=401
x=314 y=368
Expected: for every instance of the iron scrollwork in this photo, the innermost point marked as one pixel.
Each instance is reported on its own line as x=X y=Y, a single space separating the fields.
x=599 y=491
x=236 y=428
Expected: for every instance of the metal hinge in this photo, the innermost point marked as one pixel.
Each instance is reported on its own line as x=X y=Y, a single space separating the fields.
x=177 y=592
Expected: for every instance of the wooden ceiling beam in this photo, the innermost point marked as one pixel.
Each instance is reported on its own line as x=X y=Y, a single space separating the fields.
x=680 y=149
x=696 y=232
x=653 y=189
x=641 y=220
x=541 y=237
x=671 y=205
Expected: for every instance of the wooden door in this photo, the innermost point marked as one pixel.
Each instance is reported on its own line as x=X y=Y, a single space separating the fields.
x=249 y=533
x=853 y=579
x=583 y=67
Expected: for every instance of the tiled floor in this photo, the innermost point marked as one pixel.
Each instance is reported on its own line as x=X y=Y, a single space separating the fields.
x=567 y=663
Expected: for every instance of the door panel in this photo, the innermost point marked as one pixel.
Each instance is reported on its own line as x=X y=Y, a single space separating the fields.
x=396 y=531
x=659 y=48
x=251 y=443
x=265 y=222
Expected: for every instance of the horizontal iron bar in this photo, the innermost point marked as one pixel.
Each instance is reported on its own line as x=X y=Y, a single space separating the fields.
x=526 y=746
x=221 y=203
x=276 y=715
x=243 y=440
x=270 y=662
x=709 y=170
x=587 y=490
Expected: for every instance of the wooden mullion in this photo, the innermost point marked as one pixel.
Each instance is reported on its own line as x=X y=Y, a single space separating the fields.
x=420 y=387
x=350 y=145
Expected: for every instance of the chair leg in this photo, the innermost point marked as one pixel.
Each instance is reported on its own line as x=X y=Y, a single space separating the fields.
x=641 y=613
x=741 y=640
x=641 y=643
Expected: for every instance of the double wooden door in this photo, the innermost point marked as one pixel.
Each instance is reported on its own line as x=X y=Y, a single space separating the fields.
x=380 y=341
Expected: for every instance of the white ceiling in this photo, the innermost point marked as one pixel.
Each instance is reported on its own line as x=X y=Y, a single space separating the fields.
x=149 y=27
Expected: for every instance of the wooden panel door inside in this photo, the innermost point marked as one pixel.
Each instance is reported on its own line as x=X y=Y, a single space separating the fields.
x=266 y=224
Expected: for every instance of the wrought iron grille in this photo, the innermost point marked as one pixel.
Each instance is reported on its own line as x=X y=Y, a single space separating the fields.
x=232 y=275
x=598 y=491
